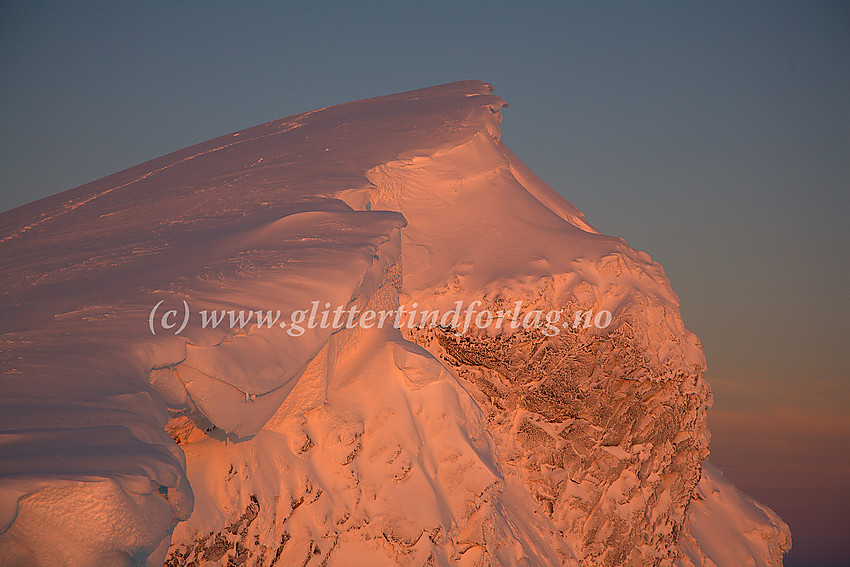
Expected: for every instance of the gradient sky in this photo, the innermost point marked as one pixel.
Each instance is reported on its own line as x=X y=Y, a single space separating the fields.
x=715 y=136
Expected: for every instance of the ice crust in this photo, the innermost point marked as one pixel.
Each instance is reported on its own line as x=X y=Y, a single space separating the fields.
x=217 y=447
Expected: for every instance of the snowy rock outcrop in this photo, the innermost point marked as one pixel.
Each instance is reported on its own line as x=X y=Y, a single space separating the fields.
x=125 y=440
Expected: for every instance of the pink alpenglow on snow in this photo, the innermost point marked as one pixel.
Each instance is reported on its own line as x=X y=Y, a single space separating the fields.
x=350 y=445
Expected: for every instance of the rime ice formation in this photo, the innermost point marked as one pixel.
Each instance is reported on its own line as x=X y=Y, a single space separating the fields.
x=124 y=443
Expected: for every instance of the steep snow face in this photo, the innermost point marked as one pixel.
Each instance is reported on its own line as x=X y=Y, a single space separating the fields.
x=605 y=427
x=367 y=446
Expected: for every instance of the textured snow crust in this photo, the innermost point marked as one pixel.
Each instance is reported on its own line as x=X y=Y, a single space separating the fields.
x=362 y=446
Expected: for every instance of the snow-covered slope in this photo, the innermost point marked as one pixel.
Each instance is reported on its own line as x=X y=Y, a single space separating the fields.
x=125 y=442
x=727 y=528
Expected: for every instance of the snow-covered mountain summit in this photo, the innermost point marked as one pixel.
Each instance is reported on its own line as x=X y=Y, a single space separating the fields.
x=134 y=432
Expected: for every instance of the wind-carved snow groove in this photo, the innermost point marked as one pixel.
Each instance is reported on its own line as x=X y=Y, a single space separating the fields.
x=251 y=363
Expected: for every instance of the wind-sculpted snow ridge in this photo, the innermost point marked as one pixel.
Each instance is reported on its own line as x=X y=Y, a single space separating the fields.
x=252 y=446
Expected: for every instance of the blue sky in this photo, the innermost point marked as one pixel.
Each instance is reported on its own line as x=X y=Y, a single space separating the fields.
x=715 y=136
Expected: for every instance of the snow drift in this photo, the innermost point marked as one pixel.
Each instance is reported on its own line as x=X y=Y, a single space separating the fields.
x=248 y=445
